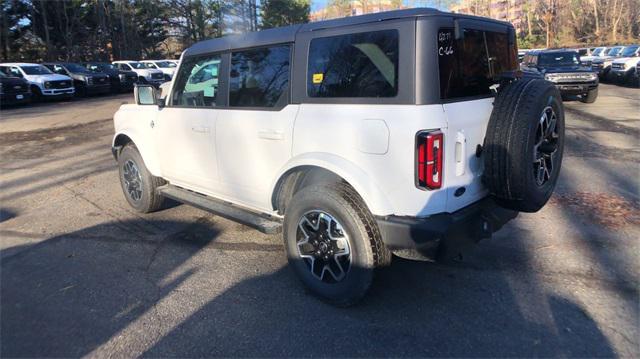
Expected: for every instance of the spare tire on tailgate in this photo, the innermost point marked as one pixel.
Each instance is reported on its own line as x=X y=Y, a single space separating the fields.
x=523 y=145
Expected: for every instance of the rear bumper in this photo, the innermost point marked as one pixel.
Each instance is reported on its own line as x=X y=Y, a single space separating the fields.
x=444 y=235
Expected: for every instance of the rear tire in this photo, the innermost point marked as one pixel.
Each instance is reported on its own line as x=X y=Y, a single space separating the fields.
x=333 y=242
x=524 y=144
x=138 y=184
x=591 y=96
x=36 y=93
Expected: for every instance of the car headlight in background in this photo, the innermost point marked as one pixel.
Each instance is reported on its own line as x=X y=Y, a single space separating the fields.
x=571 y=77
x=47 y=84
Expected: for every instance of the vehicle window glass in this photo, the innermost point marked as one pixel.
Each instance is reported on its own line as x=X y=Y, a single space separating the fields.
x=354 y=65
x=149 y=65
x=629 y=51
x=473 y=65
x=197 y=82
x=36 y=70
x=259 y=77
x=14 y=71
x=559 y=59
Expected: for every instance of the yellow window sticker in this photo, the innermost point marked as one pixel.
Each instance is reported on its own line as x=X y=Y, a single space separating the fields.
x=317 y=78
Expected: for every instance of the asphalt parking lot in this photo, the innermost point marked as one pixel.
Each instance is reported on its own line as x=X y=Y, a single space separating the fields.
x=82 y=274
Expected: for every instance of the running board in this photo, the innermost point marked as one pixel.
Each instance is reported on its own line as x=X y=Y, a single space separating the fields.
x=262 y=222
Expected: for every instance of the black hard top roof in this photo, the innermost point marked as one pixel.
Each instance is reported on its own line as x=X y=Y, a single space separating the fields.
x=288 y=33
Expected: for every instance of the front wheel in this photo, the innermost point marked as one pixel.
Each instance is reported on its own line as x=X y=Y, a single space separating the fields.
x=333 y=243
x=138 y=184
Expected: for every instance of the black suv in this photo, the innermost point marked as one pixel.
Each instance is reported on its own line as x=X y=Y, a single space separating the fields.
x=120 y=80
x=13 y=90
x=563 y=68
x=85 y=81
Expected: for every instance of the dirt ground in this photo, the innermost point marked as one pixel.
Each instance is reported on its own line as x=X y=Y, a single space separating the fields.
x=82 y=274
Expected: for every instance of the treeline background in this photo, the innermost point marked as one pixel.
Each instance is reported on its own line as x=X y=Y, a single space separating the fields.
x=76 y=30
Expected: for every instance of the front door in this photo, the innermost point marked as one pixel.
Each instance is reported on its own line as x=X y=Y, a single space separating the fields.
x=185 y=129
x=254 y=134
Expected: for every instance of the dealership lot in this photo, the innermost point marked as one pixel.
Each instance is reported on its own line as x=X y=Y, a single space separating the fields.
x=81 y=274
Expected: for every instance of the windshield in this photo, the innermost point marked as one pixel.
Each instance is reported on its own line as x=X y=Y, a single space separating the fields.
x=2 y=74
x=36 y=70
x=136 y=65
x=598 y=51
x=101 y=67
x=165 y=64
x=149 y=65
x=75 y=68
x=559 y=59
x=614 y=51
x=629 y=51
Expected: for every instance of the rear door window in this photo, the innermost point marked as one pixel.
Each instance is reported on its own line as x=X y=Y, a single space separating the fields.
x=354 y=65
x=259 y=77
x=472 y=66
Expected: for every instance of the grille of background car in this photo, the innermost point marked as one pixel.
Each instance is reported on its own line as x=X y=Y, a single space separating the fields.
x=617 y=66
x=12 y=88
x=157 y=76
x=60 y=84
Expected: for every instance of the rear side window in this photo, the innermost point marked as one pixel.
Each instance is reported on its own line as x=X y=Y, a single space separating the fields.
x=472 y=66
x=197 y=82
x=354 y=65
x=259 y=77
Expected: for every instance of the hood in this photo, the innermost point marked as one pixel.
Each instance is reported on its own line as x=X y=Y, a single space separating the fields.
x=47 y=77
x=564 y=69
x=168 y=71
x=147 y=72
x=11 y=81
x=625 y=59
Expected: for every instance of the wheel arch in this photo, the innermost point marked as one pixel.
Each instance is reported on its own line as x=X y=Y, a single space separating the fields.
x=316 y=168
x=124 y=137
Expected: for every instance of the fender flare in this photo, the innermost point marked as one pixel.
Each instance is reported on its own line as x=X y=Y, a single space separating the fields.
x=371 y=193
x=144 y=147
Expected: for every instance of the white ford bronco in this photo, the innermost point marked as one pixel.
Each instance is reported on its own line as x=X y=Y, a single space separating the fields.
x=407 y=132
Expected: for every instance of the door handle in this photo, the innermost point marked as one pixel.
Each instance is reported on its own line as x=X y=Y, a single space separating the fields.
x=201 y=129
x=271 y=134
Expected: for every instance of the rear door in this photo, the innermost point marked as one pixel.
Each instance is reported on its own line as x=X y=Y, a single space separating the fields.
x=254 y=133
x=478 y=55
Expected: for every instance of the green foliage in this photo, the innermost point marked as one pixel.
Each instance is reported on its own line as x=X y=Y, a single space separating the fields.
x=284 y=12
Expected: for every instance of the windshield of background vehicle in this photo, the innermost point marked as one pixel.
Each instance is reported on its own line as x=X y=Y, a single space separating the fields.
x=36 y=70
x=559 y=59
x=629 y=51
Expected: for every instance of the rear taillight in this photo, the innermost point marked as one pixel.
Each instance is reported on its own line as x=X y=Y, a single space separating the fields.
x=430 y=147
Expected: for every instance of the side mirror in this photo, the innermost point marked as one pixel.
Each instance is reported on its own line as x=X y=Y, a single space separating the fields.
x=145 y=95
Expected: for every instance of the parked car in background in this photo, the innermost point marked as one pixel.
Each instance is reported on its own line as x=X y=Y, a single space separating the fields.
x=597 y=52
x=584 y=51
x=168 y=68
x=145 y=75
x=177 y=62
x=637 y=75
x=563 y=68
x=623 y=69
x=521 y=53
x=85 y=81
x=42 y=82
x=13 y=90
x=602 y=64
x=119 y=80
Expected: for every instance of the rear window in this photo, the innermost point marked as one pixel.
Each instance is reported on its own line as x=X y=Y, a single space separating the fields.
x=354 y=65
x=472 y=66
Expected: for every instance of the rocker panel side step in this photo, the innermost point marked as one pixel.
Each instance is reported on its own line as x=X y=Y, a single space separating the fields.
x=262 y=222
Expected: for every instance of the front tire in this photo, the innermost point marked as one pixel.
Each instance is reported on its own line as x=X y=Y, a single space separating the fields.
x=333 y=243
x=138 y=184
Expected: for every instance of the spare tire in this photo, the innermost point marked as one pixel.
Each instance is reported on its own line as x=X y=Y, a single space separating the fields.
x=524 y=144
